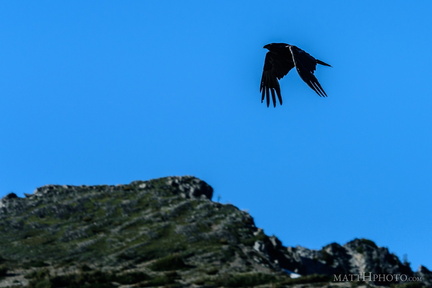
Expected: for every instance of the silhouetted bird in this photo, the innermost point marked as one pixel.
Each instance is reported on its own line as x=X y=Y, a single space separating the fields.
x=280 y=59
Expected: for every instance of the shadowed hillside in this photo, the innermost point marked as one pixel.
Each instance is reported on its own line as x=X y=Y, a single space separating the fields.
x=164 y=233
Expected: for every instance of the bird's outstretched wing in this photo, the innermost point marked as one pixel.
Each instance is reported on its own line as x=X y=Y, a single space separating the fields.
x=306 y=65
x=275 y=67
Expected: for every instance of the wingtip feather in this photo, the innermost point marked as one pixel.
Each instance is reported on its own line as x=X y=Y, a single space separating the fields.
x=323 y=63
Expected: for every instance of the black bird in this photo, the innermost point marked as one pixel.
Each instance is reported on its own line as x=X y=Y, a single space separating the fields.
x=280 y=59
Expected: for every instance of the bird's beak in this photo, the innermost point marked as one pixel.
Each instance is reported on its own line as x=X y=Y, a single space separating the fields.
x=266 y=46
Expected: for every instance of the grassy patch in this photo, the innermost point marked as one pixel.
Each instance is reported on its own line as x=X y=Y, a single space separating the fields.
x=313 y=278
x=87 y=279
x=246 y=280
x=3 y=270
x=163 y=280
x=169 y=263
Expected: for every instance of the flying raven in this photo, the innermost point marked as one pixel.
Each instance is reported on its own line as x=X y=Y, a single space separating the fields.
x=280 y=59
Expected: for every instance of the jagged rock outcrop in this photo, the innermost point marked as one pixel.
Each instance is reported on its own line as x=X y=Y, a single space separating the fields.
x=162 y=232
x=425 y=275
x=358 y=257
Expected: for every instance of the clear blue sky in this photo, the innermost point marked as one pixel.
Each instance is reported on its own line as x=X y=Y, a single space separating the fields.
x=107 y=92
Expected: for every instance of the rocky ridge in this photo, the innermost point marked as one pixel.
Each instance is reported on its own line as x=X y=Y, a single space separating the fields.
x=168 y=233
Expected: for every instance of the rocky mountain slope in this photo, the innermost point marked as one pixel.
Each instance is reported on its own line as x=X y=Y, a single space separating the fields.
x=168 y=233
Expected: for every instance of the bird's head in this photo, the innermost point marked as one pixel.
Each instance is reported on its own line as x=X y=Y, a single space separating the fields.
x=276 y=46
